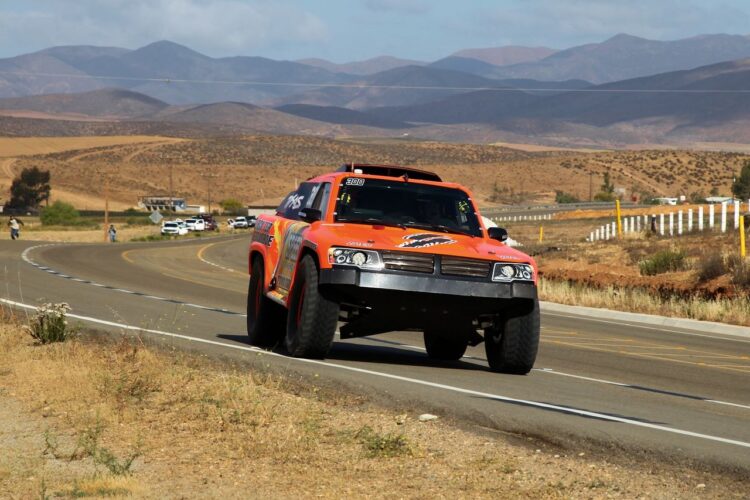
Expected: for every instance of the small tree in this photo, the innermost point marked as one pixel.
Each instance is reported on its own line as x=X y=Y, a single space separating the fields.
x=60 y=214
x=30 y=188
x=607 y=192
x=741 y=185
x=231 y=206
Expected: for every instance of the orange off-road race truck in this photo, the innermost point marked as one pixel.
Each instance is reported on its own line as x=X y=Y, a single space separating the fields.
x=384 y=248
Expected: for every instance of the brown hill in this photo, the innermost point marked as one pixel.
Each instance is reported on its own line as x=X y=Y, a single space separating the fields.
x=108 y=103
x=269 y=166
x=401 y=86
x=366 y=67
x=624 y=56
x=509 y=54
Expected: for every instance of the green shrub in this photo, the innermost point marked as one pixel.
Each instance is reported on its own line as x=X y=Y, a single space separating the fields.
x=711 y=266
x=232 y=206
x=60 y=214
x=740 y=270
x=663 y=261
x=51 y=324
x=386 y=446
x=563 y=197
x=154 y=237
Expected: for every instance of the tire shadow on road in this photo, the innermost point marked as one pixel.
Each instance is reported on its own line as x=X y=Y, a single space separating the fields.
x=376 y=354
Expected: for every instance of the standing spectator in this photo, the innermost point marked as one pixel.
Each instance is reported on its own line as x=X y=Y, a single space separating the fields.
x=112 y=232
x=15 y=227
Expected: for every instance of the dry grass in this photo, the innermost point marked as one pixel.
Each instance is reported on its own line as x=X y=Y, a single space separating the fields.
x=24 y=146
x=196 y=428
x=733 y=311
x=82 y=235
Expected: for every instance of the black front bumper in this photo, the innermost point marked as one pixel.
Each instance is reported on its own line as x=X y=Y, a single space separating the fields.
x=359 y=282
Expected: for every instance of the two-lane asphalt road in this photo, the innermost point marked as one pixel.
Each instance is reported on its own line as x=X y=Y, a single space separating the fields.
x=616 y=386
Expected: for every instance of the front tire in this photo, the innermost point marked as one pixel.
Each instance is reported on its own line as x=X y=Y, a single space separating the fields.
x=512 y=342
x=265 y=319
x=445 y=347
x=311 y=323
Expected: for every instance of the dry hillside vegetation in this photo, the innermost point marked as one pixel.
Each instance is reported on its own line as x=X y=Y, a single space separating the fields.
x=101 y=420
x=262 y=169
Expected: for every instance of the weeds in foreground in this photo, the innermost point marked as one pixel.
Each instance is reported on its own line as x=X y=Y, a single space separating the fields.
x=88 y=445
x=383 y=445
x=51 y=324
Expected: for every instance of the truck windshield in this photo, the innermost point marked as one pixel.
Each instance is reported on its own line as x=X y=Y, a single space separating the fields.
x=406 y=204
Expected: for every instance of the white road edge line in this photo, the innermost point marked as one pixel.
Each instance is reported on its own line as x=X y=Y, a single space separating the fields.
x=460 y=390
x=722 y=336
x=563 y=374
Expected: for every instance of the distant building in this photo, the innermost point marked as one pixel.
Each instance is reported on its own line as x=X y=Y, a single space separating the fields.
x=153 y=203
x=666 y=201
x=719 y=199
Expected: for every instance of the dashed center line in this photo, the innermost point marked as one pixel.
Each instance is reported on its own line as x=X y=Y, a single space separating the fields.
x=30 y=261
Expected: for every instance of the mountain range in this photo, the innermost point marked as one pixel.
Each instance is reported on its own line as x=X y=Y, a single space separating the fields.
x=623 y=90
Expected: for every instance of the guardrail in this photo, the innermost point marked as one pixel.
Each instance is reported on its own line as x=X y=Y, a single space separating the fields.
x=558 y=207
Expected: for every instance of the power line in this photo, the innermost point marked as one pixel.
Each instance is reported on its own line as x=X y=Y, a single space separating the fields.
x=373 y=86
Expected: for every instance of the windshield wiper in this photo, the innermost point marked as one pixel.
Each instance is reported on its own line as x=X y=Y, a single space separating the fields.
x=371 y=220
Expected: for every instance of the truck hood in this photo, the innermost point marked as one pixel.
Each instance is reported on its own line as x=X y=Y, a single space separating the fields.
x=378 y=237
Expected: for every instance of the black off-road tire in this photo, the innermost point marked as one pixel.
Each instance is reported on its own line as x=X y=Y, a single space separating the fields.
x=445 y=347
x=265 y=318
x=311 y=323
x=512 y=343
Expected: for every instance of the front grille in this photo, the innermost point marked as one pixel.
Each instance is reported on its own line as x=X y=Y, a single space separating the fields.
x=455 y=266
x=415 y=262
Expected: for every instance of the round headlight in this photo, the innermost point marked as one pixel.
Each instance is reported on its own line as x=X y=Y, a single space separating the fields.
x=507 y=271
x=341 y=259
x=359 y=258
x=337 y=252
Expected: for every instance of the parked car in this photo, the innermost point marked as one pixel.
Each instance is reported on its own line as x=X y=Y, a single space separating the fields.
x=194 y=224
x=209 y=221
x=251 y=220
x=241 y=222
x=173 y=228
x=387 y=248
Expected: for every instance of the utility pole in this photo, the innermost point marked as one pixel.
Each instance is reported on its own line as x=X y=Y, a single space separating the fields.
x=171 y=188
x=106 y=206
x=209 y=184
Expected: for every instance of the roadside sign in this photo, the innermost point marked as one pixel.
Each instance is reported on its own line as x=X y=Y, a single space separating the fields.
x=155 y=217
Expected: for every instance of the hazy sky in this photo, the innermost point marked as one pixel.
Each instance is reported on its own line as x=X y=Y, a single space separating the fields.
x=345 y=30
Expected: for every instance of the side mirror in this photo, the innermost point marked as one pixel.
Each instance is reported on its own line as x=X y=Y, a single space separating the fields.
x=498 y=233
x=310 y=214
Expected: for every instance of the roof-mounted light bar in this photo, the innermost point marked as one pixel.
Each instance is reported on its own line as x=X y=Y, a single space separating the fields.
x=390 y=171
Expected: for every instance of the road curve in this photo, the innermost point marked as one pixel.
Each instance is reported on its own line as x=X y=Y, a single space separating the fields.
x=675 y=394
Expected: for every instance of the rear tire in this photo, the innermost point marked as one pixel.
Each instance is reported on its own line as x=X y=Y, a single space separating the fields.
x=445 y=347
x=311 y=323
x=265 y=318
x=512 y=343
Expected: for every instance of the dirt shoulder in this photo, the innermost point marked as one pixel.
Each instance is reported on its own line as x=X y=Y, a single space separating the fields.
x=87 y=418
